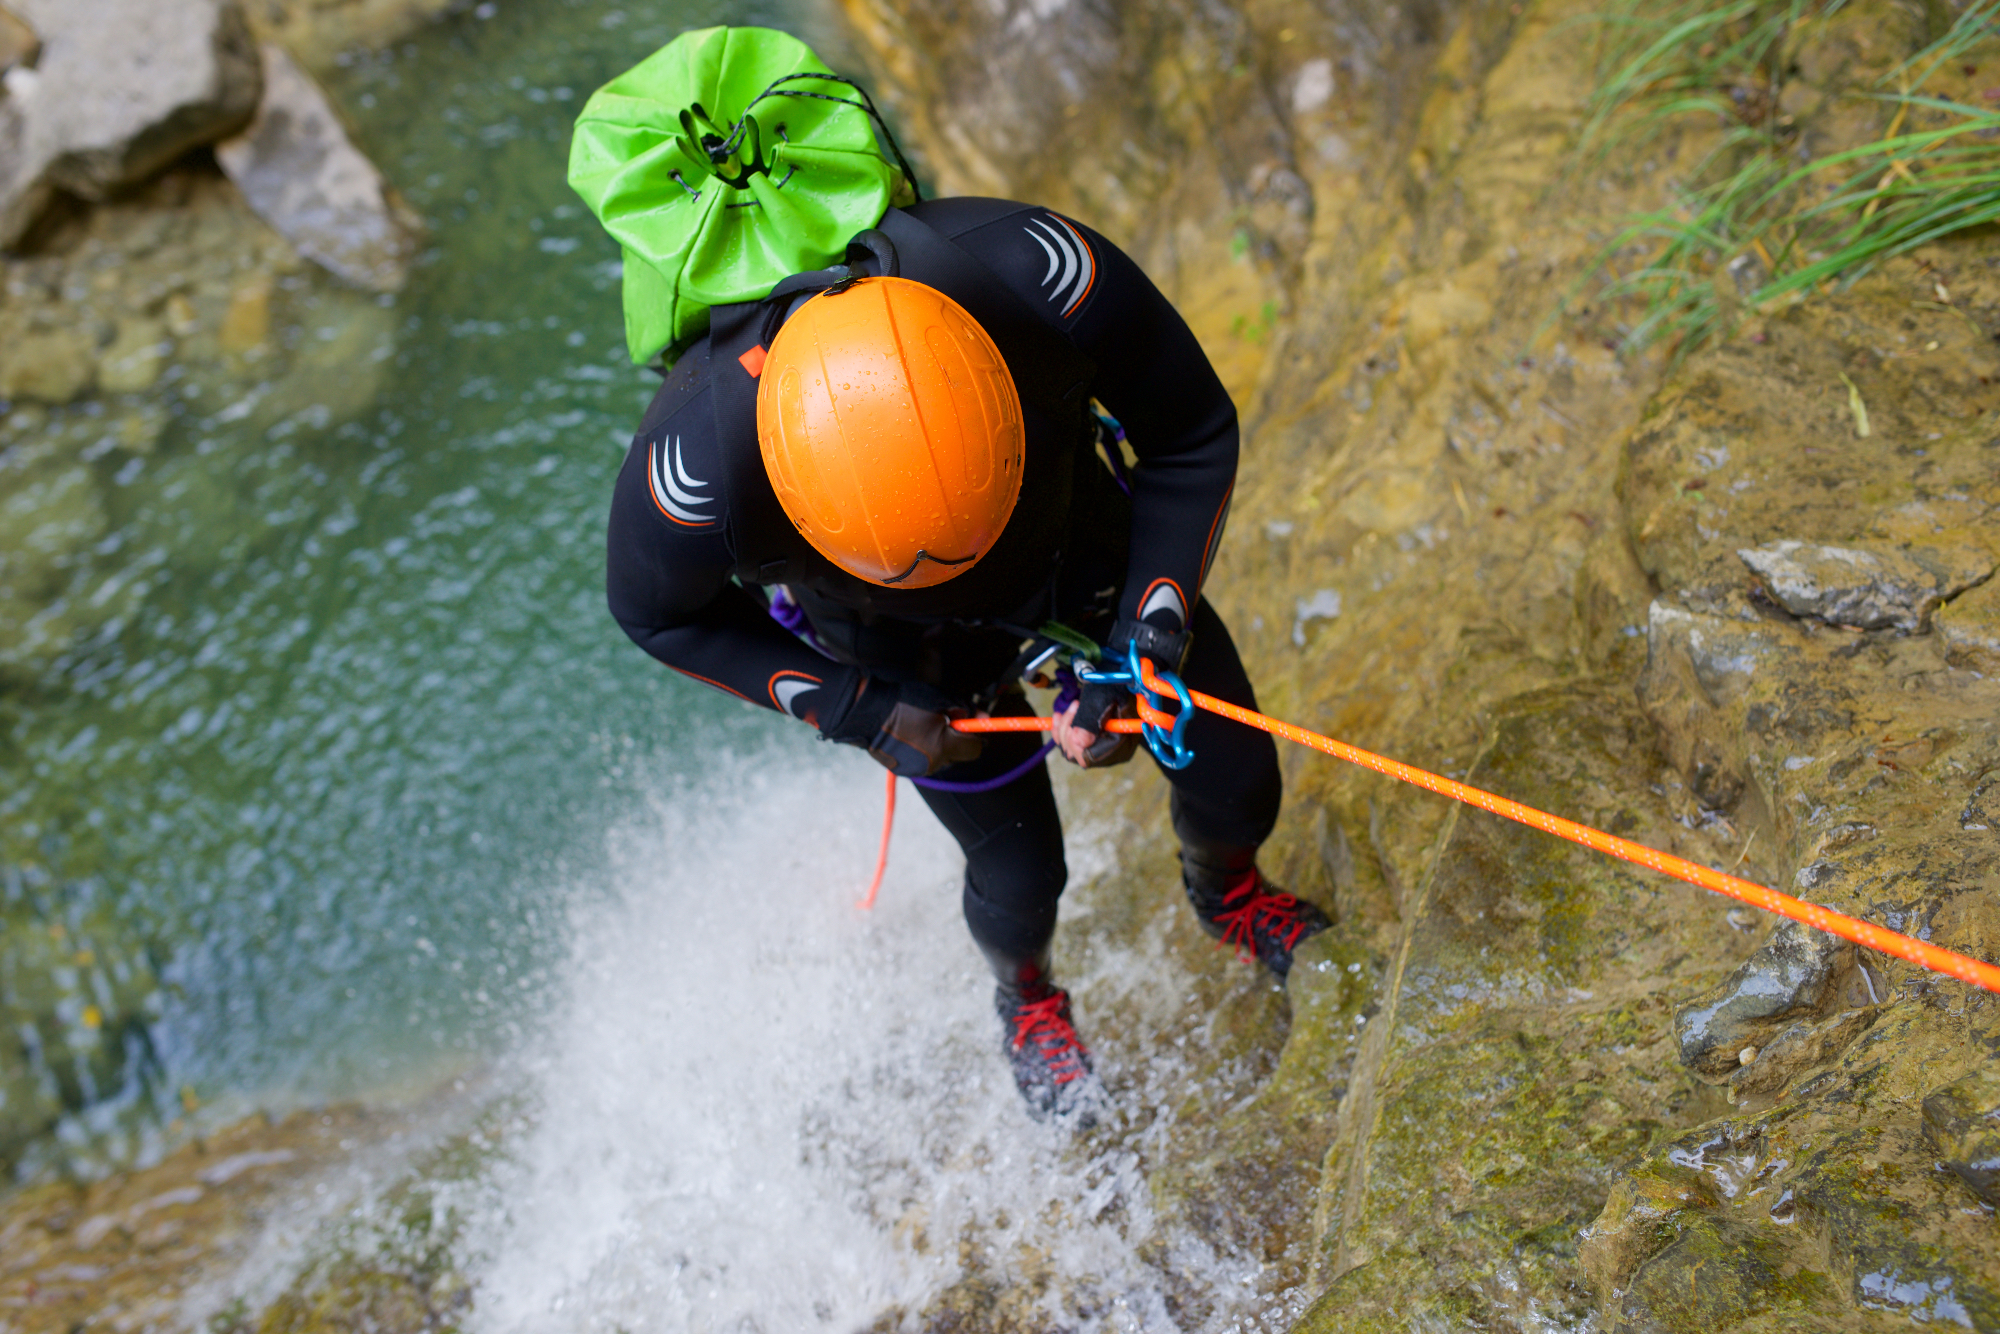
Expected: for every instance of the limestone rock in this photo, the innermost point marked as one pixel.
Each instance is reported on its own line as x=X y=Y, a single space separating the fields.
x=246 y=323
x=1699 y=661
x=80 y=1001
x=1798 y=1048
x=1970 y=628
x=1962 y=1122
x=123 y=87
x=51 y=367
x=1869 y=590
x=1791 y=976
x=1636 y=1219
x=304 y=176
x=132 y=364
x=18 y=43
x=318 y=31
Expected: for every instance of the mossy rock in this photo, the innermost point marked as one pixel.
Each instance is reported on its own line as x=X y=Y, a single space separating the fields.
x=79 y=995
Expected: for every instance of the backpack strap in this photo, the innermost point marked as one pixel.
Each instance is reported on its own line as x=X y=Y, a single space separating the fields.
x=761 y=538
x=1050 y=372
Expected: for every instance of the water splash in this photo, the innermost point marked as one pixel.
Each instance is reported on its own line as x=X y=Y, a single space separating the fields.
x=758 y=1108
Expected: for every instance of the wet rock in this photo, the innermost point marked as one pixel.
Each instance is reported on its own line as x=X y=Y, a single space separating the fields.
x=246 y=322
x=78 y=996
x=319 y=31
x=1970 y=629
x=303 y=175
x=133 y=361
x=18 y=43
x=1641 y=1214
x=1724 y=650
x=1869 y=590
x=1432 y=321
x=1962 y=1123
x=170 y=1246
x=1798 y=1048
x=122 y=88
x=1715 y=1271
x=1792 y=976
x=54 y=366
x=1752 y=445
x=1697 y=664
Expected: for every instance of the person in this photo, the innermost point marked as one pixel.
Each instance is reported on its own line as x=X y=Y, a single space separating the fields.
x=910 y=457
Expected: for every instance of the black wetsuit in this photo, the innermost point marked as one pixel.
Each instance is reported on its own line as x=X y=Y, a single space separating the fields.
x=1076 y=549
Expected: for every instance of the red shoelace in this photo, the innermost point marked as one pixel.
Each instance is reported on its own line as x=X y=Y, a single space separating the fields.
x=1276 y=914
x=1043 y=1022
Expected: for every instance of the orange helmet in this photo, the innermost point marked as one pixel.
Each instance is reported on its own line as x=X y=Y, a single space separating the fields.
x=891 y=430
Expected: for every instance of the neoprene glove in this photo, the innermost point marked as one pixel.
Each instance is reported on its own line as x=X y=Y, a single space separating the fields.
x=1099 y=702
x=905 y=726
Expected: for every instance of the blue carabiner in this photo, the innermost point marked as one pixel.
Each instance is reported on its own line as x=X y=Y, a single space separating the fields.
x=1169 y=746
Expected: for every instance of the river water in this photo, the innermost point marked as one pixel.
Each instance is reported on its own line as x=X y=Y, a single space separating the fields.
x=388 y=800
x=365 y=715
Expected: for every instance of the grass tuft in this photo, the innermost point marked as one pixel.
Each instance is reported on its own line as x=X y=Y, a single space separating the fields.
x=1760 y=221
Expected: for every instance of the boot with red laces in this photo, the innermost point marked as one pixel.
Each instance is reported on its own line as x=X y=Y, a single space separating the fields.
x=1241 y=909
x=1050 y=1063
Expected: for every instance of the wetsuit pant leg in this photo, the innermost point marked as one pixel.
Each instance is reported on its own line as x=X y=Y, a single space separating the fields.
x=1013 y=843
x=1225 y=803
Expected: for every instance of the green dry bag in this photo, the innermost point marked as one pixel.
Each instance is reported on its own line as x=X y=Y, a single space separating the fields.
x=725 y=161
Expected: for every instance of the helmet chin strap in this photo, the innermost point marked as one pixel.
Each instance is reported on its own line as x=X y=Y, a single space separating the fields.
x=923 y=556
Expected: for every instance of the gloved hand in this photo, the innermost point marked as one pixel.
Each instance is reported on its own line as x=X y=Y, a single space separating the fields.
x=1097 y=703
x=905 y=726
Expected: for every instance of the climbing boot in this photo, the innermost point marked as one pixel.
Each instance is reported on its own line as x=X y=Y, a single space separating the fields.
x=1239 y=908
x=1050 y=1063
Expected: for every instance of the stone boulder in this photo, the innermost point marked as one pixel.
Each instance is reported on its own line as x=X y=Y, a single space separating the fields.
x=18 y=43
x=1868 y=590
x=121 y=88
x=1962 y=1124
x=1970 y=628
x=299 y=170
x=1792 y=976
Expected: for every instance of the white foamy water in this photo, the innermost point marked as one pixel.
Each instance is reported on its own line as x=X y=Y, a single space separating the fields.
x=758 y=1108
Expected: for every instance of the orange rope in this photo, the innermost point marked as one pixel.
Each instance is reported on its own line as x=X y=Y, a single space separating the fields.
x=1862 y=933
x=1043 y=724
x=882 y=857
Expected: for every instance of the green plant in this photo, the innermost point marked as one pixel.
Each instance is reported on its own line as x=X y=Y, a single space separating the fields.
x=1757 y=221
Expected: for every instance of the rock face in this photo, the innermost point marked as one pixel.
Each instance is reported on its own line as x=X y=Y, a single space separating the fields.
x=1792 y=976
x=150 y=1250
x=1552 y=1092
x=1866 y=590
x=1962 y=1123
x=1815 y=707
x=78 y=1006
x=297 y=167
x=1970 y=629
x=18 y=43
x=122 y=88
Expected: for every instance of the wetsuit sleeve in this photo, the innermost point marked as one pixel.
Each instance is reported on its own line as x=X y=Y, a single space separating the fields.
x=667 y=576
x=1152 y=376
x=1155 y=379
